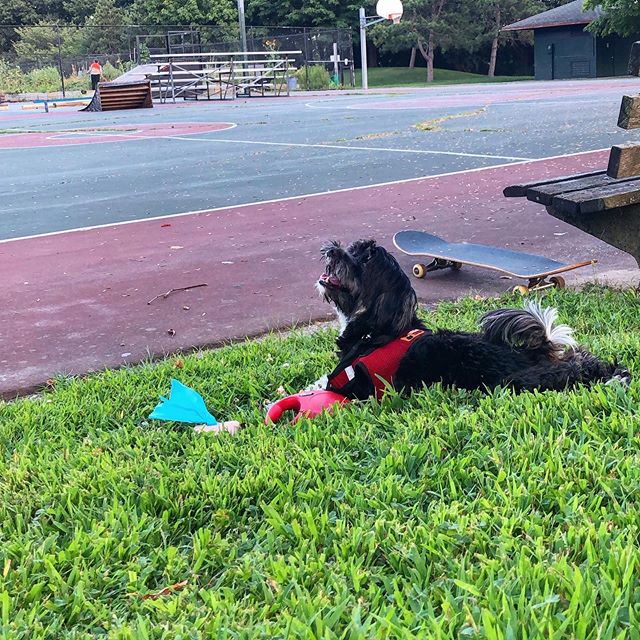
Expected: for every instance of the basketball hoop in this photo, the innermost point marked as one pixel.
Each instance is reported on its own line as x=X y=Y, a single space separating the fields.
x=390 y=10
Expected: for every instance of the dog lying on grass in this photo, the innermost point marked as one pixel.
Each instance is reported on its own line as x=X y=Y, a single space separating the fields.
x=383 y=342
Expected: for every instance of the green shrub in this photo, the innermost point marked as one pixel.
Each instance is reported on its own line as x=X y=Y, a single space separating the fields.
x=41 y=80
x=313 y=78
x=10 y=78
x=111 y=72
x=47 y=79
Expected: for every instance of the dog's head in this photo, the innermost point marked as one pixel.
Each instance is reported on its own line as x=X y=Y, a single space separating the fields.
x=366 y=284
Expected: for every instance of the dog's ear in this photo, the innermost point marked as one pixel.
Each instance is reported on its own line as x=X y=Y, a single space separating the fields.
x=362 y=250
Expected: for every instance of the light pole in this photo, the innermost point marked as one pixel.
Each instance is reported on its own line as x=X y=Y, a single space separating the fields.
x=386 y=10
x=243 y=28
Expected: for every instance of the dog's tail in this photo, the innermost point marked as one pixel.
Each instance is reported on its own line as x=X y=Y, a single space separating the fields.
x=532 y=329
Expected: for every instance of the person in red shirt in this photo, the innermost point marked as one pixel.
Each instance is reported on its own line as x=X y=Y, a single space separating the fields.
x=96 y=73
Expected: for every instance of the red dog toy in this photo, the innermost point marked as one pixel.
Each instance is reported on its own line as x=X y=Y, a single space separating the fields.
x=306 y=404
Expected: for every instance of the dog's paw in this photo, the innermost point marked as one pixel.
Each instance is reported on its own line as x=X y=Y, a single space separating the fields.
x=620 y=376
x=318 y=385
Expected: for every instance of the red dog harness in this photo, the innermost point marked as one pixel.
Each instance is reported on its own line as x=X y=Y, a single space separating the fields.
x=380 y=365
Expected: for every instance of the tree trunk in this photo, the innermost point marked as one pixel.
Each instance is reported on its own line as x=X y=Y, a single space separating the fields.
x=412 y=60
x=494 y=45
x=430 y=54
x=492 y=60
x=427 y=54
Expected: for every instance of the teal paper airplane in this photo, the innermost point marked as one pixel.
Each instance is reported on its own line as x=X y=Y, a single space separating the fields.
x=183 y=405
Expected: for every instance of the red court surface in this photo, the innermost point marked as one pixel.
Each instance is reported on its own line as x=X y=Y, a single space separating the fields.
x=113 y=133
x=78 y=301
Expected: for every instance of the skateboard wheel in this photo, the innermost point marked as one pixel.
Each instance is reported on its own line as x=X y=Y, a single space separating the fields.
x=521 y=290
x=419 y=270
x=558 y=282
x=456 y=266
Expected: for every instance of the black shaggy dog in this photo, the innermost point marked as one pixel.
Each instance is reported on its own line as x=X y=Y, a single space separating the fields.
x=383 y=341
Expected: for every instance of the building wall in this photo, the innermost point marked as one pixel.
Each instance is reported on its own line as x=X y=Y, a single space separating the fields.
x=612 y=55
x=564 y=52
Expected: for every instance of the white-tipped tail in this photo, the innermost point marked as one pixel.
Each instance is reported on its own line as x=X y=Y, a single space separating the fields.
x=560 y=335
x=532 y=328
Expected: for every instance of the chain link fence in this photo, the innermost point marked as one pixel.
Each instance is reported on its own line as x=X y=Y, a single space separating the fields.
x=61 y=54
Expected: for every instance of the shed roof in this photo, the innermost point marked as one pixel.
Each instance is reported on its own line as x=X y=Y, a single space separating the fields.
x=567 y=14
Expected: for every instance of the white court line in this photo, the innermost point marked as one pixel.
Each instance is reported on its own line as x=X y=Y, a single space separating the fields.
x=299 y=197
x=121 y=137
x=350 y=148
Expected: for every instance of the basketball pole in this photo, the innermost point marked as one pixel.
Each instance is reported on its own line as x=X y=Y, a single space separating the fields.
x=363 y=49
x=364 y=23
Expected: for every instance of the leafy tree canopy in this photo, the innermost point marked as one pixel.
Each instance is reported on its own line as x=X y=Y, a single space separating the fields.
x=619 y=16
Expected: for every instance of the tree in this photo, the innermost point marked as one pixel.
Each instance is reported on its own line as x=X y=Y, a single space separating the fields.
x=185 y=12
x=618 y=16
x=303 y=13
x=427 y=24
x=105 y=30
x=492 y=15
x=27 y=12
x=39 y=43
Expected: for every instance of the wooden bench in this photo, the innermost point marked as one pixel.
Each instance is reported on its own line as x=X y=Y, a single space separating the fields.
x=605 y=204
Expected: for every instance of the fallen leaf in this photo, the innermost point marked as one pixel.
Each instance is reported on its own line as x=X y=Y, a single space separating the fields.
x=273 y=585
x=171 y=332
x=167 y=591
x=166 y=224
x=178 y=364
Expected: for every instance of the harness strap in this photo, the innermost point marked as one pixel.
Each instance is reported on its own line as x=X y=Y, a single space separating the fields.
x=380 y=365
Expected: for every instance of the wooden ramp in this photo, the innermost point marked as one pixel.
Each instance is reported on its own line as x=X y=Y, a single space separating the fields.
x=111 y=96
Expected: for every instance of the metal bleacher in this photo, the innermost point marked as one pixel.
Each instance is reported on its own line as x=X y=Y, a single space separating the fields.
x=208 y=76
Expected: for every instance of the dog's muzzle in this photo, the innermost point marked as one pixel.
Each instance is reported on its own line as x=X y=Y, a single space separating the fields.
x=329 y=281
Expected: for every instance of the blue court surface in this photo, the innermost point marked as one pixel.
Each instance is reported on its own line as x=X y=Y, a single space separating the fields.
x=283 y=147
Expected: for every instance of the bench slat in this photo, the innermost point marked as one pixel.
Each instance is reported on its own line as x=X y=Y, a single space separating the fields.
x=545 y=193
x=619 y=194
x=520 y=190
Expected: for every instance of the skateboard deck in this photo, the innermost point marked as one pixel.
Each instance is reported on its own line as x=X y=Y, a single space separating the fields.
x=454 y=254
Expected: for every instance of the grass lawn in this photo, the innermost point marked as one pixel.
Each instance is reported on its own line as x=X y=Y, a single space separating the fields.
x=404 y=76
x=449 y=515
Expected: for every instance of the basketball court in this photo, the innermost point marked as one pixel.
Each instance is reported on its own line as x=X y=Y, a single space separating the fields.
x=101 y=212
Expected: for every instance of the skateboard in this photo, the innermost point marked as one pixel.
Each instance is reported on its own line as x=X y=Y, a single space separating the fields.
x=540 y=272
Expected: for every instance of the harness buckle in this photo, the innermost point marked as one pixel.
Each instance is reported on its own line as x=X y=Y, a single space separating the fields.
x=412 y=335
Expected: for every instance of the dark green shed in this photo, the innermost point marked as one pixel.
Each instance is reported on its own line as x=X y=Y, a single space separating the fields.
x=563 y=49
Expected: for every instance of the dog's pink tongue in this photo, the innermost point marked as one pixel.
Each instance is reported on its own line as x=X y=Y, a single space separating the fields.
x=332 y=279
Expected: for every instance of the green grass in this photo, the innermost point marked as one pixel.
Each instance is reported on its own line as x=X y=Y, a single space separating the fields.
x=404 y=76
x=449 y=515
